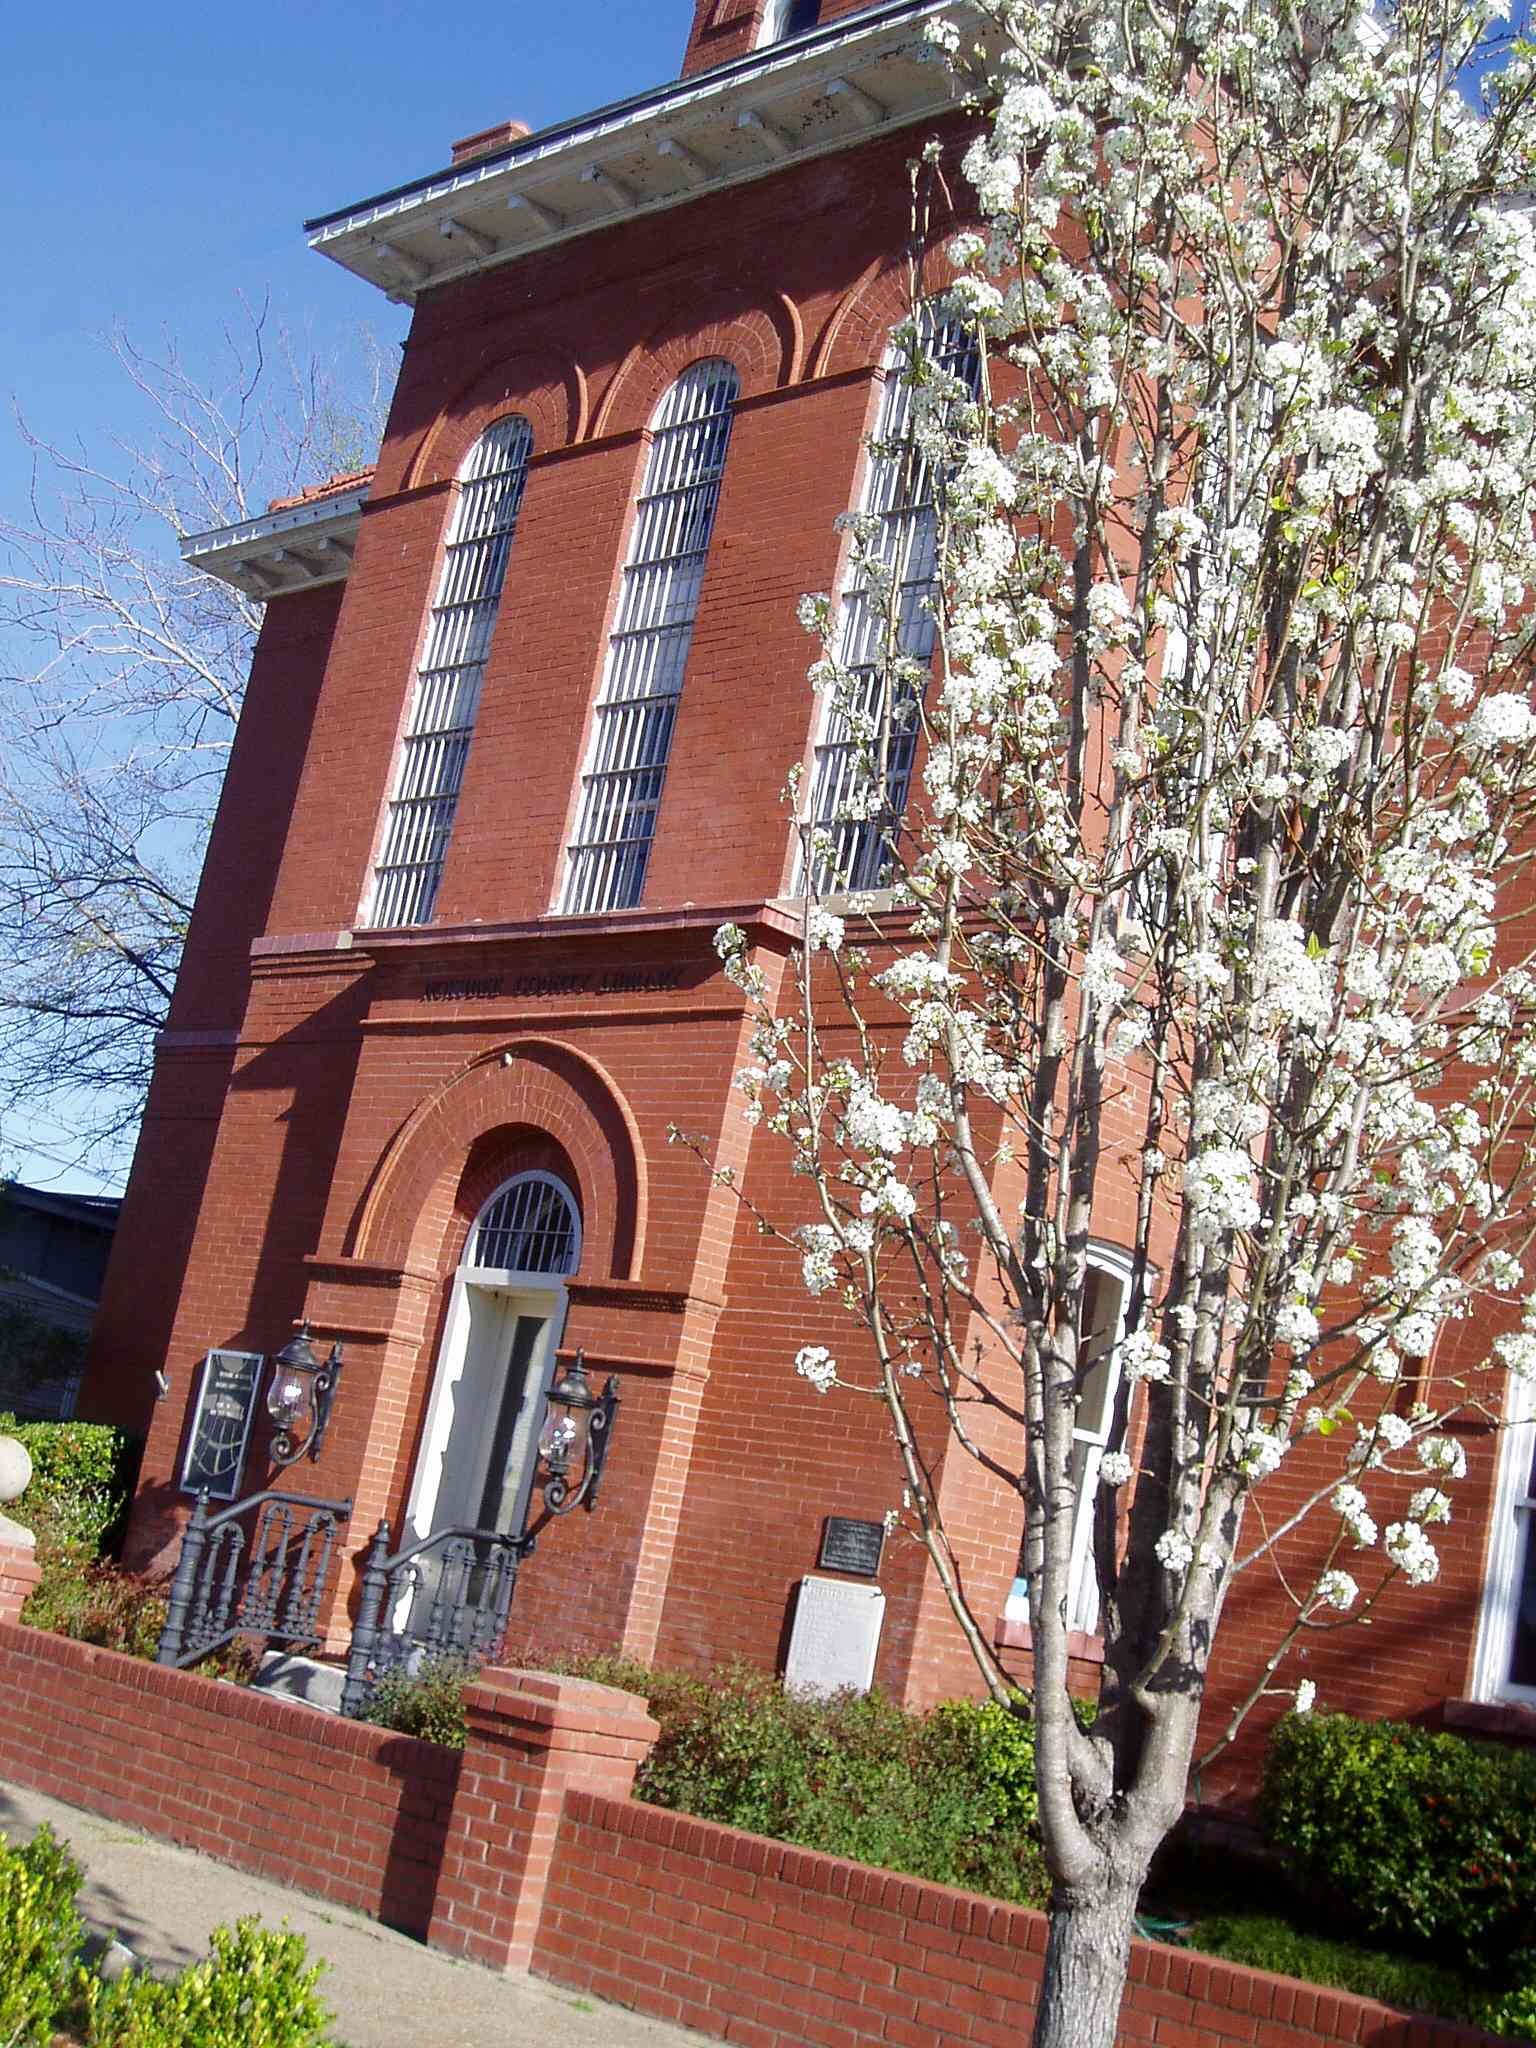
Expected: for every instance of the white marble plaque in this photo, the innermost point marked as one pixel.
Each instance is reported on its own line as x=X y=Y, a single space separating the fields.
x=836 y=1634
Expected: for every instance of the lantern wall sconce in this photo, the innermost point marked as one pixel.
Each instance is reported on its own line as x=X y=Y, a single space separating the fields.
x=300 y=1398
x=573 y=1444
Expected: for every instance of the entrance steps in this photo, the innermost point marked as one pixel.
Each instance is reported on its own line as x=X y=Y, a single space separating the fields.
x=304 y=1679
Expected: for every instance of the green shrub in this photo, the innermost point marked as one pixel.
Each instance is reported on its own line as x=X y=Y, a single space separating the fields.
x=1514 y=2011
x=40 y=1935
x=95 y=1601
x=82 y=1474
x=1268 y=1944
x=1426 y=1840
x=428 y=1703
x=947 y=1796
x=255 y=1990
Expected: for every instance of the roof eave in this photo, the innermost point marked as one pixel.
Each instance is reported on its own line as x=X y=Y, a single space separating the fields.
x=825 y=92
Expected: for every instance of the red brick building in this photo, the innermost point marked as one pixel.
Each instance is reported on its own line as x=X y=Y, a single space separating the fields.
x=517 y=725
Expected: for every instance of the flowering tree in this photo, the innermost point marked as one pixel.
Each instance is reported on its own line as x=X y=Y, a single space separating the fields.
x=1204 y=642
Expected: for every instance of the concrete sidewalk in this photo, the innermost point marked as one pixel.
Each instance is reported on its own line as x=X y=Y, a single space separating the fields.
x=386 y=1990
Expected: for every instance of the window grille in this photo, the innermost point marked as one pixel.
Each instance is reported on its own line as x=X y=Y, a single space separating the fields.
x=859 y=790
x=648 y=647
x=442 y=718
x=529 y=1227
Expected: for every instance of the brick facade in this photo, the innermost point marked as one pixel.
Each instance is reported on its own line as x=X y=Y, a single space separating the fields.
x=333 y=1105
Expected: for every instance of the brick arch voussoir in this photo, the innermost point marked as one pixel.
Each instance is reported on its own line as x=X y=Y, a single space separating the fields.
x=759 y=332
x=548 y=390
x=856 y=335
x=406 y=1216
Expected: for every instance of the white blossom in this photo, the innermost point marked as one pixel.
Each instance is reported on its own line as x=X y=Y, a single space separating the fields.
x=814 y=1362
x=1412 y=1552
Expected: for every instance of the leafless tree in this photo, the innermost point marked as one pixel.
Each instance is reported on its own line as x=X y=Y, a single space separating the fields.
x=121 y=676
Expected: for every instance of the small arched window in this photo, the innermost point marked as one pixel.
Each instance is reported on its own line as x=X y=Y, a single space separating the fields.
x=783 y=18
x=442 y=718
x=528 y=1226
x=864 y=759
x=648 y=647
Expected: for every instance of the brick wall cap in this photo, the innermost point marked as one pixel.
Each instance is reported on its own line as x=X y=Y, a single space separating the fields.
x=1513 y=1719
x=567 y=1704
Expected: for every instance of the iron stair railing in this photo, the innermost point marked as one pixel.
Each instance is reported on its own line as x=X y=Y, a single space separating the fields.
x=267 y=1579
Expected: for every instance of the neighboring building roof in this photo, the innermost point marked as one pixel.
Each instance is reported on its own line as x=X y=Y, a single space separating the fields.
x=823 y=90
x=297 y=544
x=346 y=480
x=100 y=1210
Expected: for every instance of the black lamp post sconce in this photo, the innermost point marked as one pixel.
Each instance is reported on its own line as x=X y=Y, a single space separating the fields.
x=300 y=1398
x=573 y=1444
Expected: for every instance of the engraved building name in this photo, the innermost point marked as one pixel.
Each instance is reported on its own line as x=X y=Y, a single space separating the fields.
x=596 y=981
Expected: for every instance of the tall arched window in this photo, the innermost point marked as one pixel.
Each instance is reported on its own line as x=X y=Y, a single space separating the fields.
x=648 y=647
x=859 y=790
x=783 y=18
x=442 y=719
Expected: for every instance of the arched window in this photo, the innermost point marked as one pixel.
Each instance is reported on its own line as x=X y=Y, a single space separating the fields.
x=859 y=790
x=648 y=647
x=442 y=718
x=783 y=18
x=528 y=1226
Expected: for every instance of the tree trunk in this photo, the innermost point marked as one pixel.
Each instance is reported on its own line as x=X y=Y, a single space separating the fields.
x=1085 y=1962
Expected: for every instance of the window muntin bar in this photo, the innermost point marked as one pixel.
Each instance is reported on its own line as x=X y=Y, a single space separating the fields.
x=529 y=1226
x=648 y=646
x=899 y=494
x=442 y=719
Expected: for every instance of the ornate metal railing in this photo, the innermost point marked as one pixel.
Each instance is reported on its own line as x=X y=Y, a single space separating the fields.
x=448 y=1595
x=258 y=1568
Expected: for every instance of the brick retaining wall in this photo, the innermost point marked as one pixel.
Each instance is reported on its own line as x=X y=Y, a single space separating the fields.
x=775 y=1947
x=527 y=1851
x=354 y=1813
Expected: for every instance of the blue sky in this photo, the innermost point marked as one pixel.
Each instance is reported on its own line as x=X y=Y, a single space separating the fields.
x=156 y=161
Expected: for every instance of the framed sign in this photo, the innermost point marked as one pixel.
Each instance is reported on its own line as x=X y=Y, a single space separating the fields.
x=848 y=1546
x=221 y=1423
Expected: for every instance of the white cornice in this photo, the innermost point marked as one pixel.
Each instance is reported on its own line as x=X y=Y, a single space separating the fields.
x=825 y=91
x=298 y=548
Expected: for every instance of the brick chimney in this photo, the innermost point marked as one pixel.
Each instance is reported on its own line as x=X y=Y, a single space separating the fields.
x=502 y=136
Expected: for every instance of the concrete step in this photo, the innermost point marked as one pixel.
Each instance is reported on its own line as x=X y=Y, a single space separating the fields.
x=304 y=1679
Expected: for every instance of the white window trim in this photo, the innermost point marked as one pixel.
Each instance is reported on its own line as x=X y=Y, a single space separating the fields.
x=1083 y=1592
x=536 y=1293
x=774 y=26
x=1513 y=1527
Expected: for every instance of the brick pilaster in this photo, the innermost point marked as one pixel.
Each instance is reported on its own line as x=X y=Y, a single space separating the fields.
x=19 y=1573
x=532 y=1738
